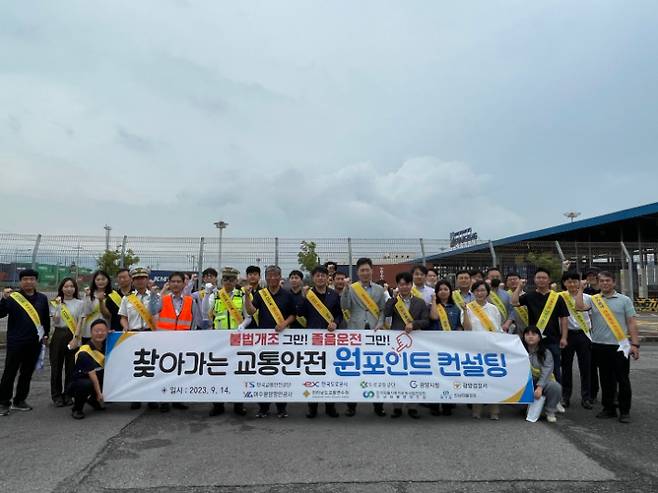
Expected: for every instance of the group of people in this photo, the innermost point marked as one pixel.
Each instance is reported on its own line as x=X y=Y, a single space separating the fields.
x=588 y=319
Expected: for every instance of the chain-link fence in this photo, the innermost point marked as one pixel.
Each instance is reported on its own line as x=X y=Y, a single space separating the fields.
x=59 y=256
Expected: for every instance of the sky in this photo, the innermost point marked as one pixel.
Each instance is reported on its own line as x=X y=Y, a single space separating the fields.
x=324 y=118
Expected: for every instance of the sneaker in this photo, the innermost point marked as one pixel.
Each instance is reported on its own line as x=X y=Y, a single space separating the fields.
x=262 y=414
x=21 y=406
x=77 y=414
x=560 y=408
x=4 y=410
x=494 y=417
x=624 y=418
x=282 y=415
x=550 y=417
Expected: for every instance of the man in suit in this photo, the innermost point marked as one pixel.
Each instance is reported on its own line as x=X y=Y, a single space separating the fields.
x=406 y=312
x=365 y=301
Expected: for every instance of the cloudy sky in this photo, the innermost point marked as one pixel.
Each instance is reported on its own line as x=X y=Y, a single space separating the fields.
x=312 y=118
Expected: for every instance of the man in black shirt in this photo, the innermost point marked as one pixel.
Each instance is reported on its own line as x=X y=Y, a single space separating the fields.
x=296 y=280
x=556 y=329
x=329 y=316
x=277 y=317
x=592 y=278
x=28 y=327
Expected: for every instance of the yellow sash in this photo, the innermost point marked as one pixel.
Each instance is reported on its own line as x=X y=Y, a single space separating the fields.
x=28 y=307
x=116 y=298
x=547 y=311
x=458 y=298
x=141 y=309
x=610 y=319
x=67 y=317
x=443 y=316
x=302 y=321
x=536 y=373
x=493 y=296
x=481 y=315
x=365 y=298
x=202 y=294
x=416 y=293
x=346 y=314
x=228 y=303
x=578 y=316
x=403 y=311
x=522 y=312
x=94 y=353
x=319 y=306
x=271 y=305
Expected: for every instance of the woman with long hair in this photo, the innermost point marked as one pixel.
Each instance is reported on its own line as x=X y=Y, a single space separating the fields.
x=541 y=366
x=66 y=311
x=96 y=307
x=444 y=313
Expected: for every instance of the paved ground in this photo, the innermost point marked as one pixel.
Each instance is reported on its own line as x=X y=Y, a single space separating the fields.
x=126 y=451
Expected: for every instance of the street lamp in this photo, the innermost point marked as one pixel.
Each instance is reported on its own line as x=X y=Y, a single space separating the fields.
x=571 y=215
x=220 y=225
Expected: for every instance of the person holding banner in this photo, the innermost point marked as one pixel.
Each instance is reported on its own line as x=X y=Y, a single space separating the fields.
x=228 y=312
x=276 y=310
x=549 y=313
x=407 y=312
x=365 y=302
x=96 y=304
x=321 y=309
x=579 y=339
x=420 y=288
x=613 y=323
x=480 y=315
x=87 y=382
x=462 y=294
x=253 y=281
x=66 y=312
x=541 y=366
x=444 y=313
x=28 y=326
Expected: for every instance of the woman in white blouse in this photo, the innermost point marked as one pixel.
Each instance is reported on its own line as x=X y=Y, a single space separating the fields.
x=95 y=307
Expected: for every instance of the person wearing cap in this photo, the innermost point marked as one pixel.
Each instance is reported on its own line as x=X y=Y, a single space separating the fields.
x=28 y=327
x=134 y=313
x=228 y=312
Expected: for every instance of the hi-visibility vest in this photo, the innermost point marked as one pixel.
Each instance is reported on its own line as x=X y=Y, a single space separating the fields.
x=168 y=320
x=223 y=319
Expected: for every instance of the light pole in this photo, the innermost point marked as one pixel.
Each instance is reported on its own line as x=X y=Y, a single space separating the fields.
x=571 y=215
x=220 y=225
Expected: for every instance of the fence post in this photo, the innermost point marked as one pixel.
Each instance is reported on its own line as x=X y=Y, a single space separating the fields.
x=349 y=257
x=200 y=264
x=422 y=252
x=494 y=260
x=276 y=250
x=35 y=251
x=561 y=254
x=629 y=259
x=123 y=251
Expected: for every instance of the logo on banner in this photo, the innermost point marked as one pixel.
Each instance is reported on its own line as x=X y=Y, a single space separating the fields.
x=404 y=341
x=369 y=394
x=311 y=384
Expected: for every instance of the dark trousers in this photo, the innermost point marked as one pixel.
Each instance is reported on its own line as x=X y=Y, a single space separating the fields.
x=554 y=348
x=82 y=390
x=580 y=345
x=328 y=406
x=378 y=406
x=614 y=369
x=20 y=360
x=61 y=358
x=264 y=407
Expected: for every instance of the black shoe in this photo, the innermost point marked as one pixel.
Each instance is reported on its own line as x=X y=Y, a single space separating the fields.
x=566 y=402
x=413 y=413
x=587 y=404
x=216 y=410
x=58 y=401
x=164 y=407
x=67 y=401
x=97 y=406
x=606 y=414
x=135 y=405
x=180 y=405
x=435 y=410
x=262 y=414
x=4 y=410
x=77 y=414
x=397 y=413
x=350 y=412
x=282 y=414
x=447 y=411
x=152 y=405
x=624 y=418
x=331 y=411
x=380 y=412
x=239 y=410
x=21 y=406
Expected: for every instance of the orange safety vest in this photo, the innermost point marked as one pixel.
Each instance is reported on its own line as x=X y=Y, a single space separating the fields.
x=168 y=320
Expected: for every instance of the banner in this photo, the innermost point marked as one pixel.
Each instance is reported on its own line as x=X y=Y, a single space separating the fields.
x=306 y=365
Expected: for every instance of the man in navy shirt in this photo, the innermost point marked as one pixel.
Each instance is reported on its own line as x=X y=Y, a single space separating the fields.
x=28 y=327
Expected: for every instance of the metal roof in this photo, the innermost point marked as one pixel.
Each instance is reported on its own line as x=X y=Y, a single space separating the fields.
x=612 y=217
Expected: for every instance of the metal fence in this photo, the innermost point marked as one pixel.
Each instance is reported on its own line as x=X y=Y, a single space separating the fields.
x=58 y=256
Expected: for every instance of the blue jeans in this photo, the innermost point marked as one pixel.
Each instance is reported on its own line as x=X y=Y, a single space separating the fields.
x=555 y=351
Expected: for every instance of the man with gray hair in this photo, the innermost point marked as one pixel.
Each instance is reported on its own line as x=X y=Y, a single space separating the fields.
x=276 y=310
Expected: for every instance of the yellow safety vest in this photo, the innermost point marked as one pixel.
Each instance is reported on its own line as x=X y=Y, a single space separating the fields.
x=228 y=317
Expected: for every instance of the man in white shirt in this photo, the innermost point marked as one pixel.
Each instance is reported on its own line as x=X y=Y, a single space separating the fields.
x=420 y=287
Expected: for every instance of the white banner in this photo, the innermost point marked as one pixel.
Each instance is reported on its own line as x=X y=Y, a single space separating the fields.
x=306 y=365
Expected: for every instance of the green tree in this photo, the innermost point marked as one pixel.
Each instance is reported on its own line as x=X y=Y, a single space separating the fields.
x=547 y=261
x=110 y=261
x=307 y=257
